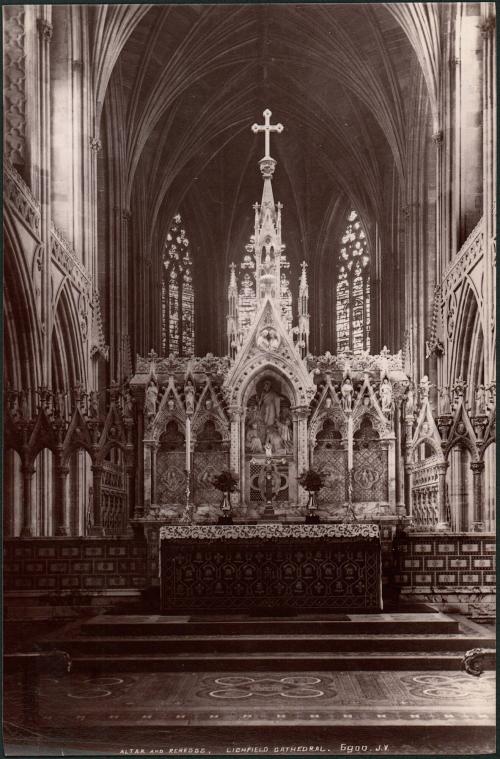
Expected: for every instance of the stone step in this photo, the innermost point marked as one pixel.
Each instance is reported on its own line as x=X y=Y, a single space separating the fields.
x=373 y=624
x=264 y=643
x=258 y=662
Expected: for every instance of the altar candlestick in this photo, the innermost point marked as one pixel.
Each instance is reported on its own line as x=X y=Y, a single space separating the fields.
x=188 y=444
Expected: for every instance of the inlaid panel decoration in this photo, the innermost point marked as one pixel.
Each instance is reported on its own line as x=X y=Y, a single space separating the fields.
x=370 y=476
x=330 y=458
x=170 y=477
x=206 y=466
x=302 y=574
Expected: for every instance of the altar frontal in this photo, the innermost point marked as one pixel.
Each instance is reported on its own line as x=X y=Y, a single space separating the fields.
x=244 y=568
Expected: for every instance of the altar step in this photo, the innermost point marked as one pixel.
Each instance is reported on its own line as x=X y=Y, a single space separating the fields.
x=341 y=624
x=359 y=642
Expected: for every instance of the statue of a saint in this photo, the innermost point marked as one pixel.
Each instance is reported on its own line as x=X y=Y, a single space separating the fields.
x=189 y=397
x=386 y=395
x=425 y=386
x=151 y=400
x=93 y=405
x=285 y=429
x=128 y=406
x=347 y=391
x=410 y=399
x=445 y=405
x=253 y=441
x=480 y=400
x=273 y=439
x=269 y=405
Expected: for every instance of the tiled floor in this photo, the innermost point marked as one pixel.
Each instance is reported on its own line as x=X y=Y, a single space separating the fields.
x=152 y=709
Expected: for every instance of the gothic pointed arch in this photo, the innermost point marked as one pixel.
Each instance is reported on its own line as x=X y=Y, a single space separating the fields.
x=68 y=363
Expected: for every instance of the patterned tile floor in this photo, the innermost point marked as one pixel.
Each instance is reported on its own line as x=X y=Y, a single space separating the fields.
x=176 y=705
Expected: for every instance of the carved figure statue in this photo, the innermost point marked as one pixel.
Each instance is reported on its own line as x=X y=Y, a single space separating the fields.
x=253 y=441
x=410 y=399
x=93 y=405
x=347 y=391
x=273 y=438
x=328 y=402
x=285 y=428
x=386 y=395
x=189 y=397
x=170 y=404
x=269 y=405
x=480 y=400
x=23 y=404
x=128 y=406
x=269 y=449
x=445 y=405
x=425 y=386
x=151 y=400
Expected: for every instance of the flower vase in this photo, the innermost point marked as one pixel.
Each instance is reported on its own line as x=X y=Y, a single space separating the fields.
x=226 y=517
x=312 y=516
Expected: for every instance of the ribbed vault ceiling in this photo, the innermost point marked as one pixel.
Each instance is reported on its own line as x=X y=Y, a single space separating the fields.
x=193 y=78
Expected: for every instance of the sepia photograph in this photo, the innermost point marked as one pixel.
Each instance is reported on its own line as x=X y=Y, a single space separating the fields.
x=249 y=388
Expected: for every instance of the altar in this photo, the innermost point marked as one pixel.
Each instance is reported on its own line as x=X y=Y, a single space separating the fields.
x=268 y=567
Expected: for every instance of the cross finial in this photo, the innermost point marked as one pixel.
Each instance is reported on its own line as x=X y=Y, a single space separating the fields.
x=267 y=128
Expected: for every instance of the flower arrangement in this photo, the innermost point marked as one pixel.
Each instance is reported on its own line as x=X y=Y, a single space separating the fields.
x=226 y=481
x=312 y=480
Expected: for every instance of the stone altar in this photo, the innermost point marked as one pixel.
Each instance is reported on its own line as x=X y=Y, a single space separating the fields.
x=237 y=568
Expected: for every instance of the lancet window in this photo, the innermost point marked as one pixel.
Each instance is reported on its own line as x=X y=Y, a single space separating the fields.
x=177 y=296
x=353 y=288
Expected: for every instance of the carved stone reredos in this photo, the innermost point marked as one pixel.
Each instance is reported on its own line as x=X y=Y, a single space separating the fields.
x=268 y=347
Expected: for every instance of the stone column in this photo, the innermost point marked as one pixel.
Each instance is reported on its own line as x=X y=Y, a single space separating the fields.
x=62 y=515
x=443 y=523
x=236 y=451
x=400 y=506
x=140 y=456
x=388 y=446
x=153 y=447
x=487 y=29
x=97 y=472
x=130 y=497
x=28 y=530
x=301 y=448
x=477 y=475
x=148 y=476
x=44 y=92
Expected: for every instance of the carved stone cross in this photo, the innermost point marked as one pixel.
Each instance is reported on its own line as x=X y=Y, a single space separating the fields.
x=267 y=128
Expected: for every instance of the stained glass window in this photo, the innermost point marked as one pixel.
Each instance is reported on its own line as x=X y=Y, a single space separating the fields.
x=177 y=296
x=353 y=288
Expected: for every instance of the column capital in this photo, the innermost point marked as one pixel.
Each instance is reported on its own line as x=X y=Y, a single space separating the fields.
x=477 y=466
x=487 y=27
x=45 y=29
x=437 y=137
x=95 y=144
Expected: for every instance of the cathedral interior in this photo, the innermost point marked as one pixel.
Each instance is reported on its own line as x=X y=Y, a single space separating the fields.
x=249 y=377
